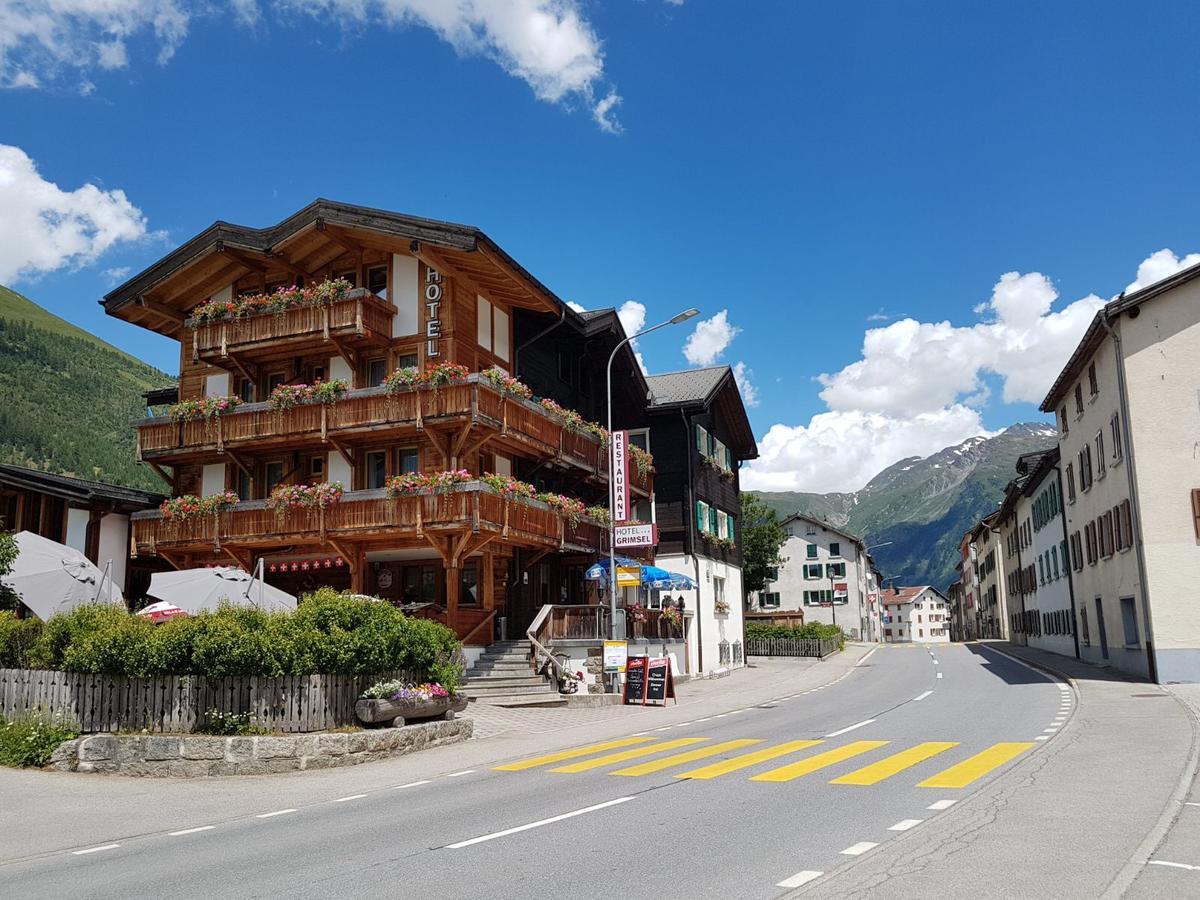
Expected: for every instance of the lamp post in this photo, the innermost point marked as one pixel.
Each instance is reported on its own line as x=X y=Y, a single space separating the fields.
x=612 y=496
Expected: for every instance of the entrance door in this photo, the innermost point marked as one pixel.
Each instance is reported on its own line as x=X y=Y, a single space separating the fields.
x=1100 y=628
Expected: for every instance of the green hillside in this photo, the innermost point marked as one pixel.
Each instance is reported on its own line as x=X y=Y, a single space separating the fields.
x=923 y=506
x=67 y=398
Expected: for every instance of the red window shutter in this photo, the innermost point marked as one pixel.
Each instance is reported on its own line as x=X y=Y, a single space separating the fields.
x=1127 y=519
x=1195 y=510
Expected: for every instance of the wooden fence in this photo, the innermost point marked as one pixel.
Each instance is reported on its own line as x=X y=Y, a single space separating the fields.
x=791 y=647
x=296 y=703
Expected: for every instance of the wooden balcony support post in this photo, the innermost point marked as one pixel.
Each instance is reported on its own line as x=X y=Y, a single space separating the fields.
x=241 y=464
x=456 y=444
x=345 y=352
x=158 y=470
x=488 y=578
x=243 y=560
x=249 y=372
x=341 y=448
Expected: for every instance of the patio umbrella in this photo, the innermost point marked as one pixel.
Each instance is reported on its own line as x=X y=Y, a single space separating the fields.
x=599 y=572
x=161 y=611
x=193 y=590
x=50 y=577
x=660 y=579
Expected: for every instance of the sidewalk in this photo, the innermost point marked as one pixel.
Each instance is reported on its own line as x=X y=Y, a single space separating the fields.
x=45 y=811
x=1078 y=818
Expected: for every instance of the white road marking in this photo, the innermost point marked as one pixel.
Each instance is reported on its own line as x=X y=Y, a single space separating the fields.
x=866 y=656
x=463 y=772
x=720 y=715
x=191 y=830
x=922 y=696
x=1190 y=803
x=1049 y=730
x=278 y=812
x=734 y=712
x=939 y=674
x=1153 y=862
x=351 y=797
x=860 y=848
x=941 y=804
x=401 y=787
x=95 y=849
x=1042 y=737
x=705 y=719
x=538 y=824
x=842 y=731
x=905 y=824
x=799 y=878
x=935 y=662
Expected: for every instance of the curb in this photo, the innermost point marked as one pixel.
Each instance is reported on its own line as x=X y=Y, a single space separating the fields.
x=1034 y=664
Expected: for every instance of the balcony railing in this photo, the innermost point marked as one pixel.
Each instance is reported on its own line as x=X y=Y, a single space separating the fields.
x=372 y=516
x=372 y=414
x=360 y=319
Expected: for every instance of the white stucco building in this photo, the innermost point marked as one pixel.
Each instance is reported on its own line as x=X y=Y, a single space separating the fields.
x=827 y=574
x=916 y=614
x=1129 y=419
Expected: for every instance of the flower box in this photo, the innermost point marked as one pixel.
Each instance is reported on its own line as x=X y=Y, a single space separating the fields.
x=398 y=712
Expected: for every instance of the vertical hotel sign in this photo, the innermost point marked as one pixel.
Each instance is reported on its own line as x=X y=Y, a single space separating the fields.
x=433 y=320
x=619 y=475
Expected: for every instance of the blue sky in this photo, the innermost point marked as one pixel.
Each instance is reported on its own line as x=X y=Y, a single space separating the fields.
x=816 y=170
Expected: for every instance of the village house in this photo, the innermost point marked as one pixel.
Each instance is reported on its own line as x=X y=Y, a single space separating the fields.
x=916 y=614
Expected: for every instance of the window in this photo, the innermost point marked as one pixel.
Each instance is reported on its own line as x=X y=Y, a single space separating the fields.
x=376 y=371
x=1079 y=401
x=1101 y=462
x=1085 y=467
x=814 y=598
x=812 y=571
x=350 y=275
x=702 y=442
x=245 y=390
x=1041 y=564
x=769 y=598
x=407 y=361
x=712 y=520
x=316 y=467
x=1089 y=534
x=1114 y=436
x=835 y=548
x=377 y=281
x=566 y=367
x=243 y=485
x=469 y=590
x=811 y=529
x=640 y=439
x=376 y=469
x=1108 y=533
x=1127 y=522
x=702 y=516
x=410 y=460
x=1118 y=533
x=811 y=549
x=1077 y=551
x=1083 y=627
x=1129 y=621
x=772 y=573
x=1054 y=562
x=835 y=570
x=1063 y=555
x=1070 y=474
x=274 y=473
x=274 y=380
x=1093 y=385
x=1062 y=422
x=720 y=453
x=722 y=524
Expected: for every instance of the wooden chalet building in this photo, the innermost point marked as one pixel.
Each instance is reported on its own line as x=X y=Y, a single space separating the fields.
x=389 y=296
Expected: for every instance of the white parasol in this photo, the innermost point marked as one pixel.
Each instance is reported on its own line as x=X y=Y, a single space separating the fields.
x=194 y=590
x=51 y=578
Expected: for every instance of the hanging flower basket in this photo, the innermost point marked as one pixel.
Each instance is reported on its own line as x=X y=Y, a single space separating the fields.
x=278 y=302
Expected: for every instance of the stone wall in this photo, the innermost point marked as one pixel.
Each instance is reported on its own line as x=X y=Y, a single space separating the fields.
x=189 y=756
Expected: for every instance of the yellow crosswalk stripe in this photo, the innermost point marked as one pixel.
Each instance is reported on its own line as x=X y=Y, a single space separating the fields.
x=897 y=762
x=657 y=765
x=571 y=754
x=613 y=758
x=820 y=761
x=977 y=766
x=748 y=759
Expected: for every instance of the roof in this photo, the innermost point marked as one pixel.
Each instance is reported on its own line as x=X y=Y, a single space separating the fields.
x=801 y=517
x=1031 y=468
x=901 y=595
x=700 y=389
x=690 y=386
x=77 y=489
x=1098 y=330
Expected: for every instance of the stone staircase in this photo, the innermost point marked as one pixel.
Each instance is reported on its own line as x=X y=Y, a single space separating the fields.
x=502 y=677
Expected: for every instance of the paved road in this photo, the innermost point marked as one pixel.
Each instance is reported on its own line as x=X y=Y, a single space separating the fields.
x=746 y=803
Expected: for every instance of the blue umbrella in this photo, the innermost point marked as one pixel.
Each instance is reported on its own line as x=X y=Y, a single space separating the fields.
x=599 y=572
x=656 y=578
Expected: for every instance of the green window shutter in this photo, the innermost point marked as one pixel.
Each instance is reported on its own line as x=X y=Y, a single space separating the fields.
x=700 y=517
x=712 y=519
x=729 y=525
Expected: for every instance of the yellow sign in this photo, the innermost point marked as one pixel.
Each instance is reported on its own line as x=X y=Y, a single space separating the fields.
x=629 y=576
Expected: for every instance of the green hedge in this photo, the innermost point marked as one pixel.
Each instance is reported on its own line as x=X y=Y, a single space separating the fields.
x=811 y=631
x=330 y=633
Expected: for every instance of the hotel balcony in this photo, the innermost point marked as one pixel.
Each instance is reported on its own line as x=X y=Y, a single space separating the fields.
x=458 y=521
x=457 y=417
x=358 y=321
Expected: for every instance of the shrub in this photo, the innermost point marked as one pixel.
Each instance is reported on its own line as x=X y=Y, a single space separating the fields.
x=228 y=724
x=811 y=631
x=17 y=639
x=31 y=741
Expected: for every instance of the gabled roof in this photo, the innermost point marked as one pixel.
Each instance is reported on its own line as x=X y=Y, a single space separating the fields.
x=701 y=389
x=901 y=595
x=78 y=490
x=689 y=386
x=801 y=517
x=1097 y=331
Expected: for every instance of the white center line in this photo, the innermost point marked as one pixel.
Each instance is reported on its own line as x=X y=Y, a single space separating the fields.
x=1190 y=803
x=95 y=849
x=905 y=824
x=192 y=830
x=463 y=772
x=922 y=696
x=935 y=662
x=941 y=804
x=1042 y=737
x=799 y=878
x=278 y=812
x=401 y=787
x=351 y=797
x=720 y=715
x=859 y=849
x=841 y=731
x=538 y=824
x=1153 y=862
x=939 y=674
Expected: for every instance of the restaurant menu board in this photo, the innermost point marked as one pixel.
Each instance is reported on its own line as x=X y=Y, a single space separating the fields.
x=635 y=679
x=660 y=685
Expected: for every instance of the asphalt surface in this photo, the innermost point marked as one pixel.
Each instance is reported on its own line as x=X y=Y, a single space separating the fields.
x=586 y=832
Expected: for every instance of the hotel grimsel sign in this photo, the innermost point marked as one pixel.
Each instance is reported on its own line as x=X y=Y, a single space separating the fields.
x=433 y=321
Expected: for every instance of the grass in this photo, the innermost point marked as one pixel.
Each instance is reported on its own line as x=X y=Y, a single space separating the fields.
x=32 y=740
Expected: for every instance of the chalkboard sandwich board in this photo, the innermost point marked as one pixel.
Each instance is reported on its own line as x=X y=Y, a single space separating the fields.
x=635 y=680
x=660 y=684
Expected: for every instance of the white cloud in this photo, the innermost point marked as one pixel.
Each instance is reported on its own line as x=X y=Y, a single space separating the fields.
x=116 y=274
x=744 y=376
x=709 y=339
x=633 y=319
x=548 y=44
x=43 y=227
x=1159 y=265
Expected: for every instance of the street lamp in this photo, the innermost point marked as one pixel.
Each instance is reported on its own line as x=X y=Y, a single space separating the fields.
x=612 y=495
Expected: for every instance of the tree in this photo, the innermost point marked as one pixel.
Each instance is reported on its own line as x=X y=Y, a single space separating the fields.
x=8 y=556
x=762 y=539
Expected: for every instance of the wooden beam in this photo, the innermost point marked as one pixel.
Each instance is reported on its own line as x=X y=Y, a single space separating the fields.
x=456 y=444
x=242 y=561
x=535 y=558
x=243 y=260
x=161 y=309
x=435 y=260
x=347 y=453
x=346 y=353
x=351 y=558
x=163 y=554
x=158 y=470
x=539 y=299
x=249 y=370
x=459 y=546
x=240 y=463
x=339 y=237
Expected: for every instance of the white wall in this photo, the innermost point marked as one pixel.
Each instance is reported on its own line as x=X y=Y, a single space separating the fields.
x=213 y=481
x=706 y=629
x=217 y=385
x=339 y=368
x=114 y=545
x=1054 y=595
x=339 y=470
x=405 y=295
x=77 y=522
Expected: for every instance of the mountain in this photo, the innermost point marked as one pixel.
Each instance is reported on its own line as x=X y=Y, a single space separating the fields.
x=67 y=398
x=924 y=505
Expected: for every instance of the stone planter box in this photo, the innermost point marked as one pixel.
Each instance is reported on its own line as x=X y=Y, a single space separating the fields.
x=397 y=712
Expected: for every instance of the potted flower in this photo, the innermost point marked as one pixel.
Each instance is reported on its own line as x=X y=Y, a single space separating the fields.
x=506 y=383
x=568 y=682
x=721 y=607
x=397 y=702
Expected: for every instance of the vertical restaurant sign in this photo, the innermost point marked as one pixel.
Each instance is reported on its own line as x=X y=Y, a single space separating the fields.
x=619 y=475
x=433 y=320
